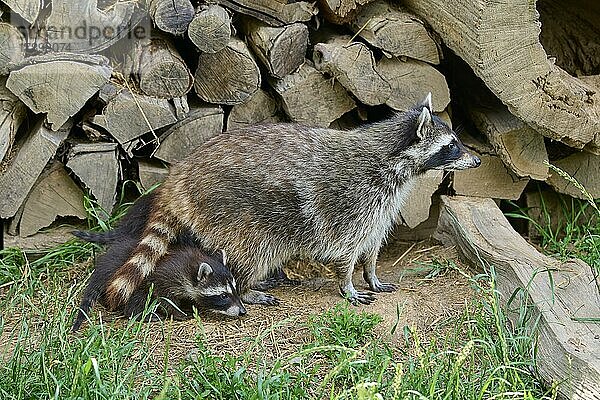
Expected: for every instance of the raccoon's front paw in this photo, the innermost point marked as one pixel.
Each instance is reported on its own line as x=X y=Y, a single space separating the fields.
x=377 y=286
x=355 y=297
x=256 y=297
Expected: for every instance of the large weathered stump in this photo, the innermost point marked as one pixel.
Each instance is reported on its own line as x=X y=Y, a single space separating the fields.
x=563 y=296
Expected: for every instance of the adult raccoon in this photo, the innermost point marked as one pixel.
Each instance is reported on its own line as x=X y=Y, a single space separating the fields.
x=269 y=193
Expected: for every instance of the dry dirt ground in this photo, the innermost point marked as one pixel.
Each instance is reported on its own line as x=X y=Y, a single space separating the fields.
x=423 y=302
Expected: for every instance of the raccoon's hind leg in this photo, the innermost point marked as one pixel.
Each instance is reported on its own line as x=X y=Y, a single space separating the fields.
x=370 y=264
x=347 y=289
x=277 y=278
x=251 y=296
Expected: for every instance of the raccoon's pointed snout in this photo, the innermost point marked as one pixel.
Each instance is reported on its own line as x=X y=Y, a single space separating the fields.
x=242 y=311
x=476 y=161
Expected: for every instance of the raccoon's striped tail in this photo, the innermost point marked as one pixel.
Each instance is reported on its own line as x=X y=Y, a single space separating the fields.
x=158 y=235
x=90 y=296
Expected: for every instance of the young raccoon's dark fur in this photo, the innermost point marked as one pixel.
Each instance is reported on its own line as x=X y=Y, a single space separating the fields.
x=130 y=226
x=183 y=279
x=270 y=193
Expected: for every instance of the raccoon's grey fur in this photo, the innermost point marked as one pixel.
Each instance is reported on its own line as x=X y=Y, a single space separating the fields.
x=183 y=279
x=269 y=193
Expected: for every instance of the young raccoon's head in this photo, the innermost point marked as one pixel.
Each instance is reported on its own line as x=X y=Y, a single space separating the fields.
x=431 y=143
x=217 y=290
x=190 y=278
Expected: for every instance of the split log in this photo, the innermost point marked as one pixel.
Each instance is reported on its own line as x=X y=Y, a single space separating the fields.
x=445 y=116
x=28 y=9
x=171 y=16
x=410 y=81
x=591 y=80
x=182 y=108
x=33 y=154
x=491 y=179
x=308 y=97
x=500 y=41
x=210 y=30
x=520 y=147
x=79 y=26
x=415 y=209
x=259 y=108
x=54 y=194
x=560 y=296
x=584 y=168
x=353 y=65
x=280 y=49
x=12 y=114
x=97 y=166
x=229 y=76
x=423 y=231
x=128 y=116
x=273 y=12
x=340 y=11
x=395 y=31
x=159 y=69
x=45 y=85
x=41 y=241
x=12 y=47
x=151 y=173
x=181 y=139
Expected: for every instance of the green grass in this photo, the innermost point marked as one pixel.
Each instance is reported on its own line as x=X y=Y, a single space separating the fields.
x=573 y=233
x=345 y=354
x=576 y=231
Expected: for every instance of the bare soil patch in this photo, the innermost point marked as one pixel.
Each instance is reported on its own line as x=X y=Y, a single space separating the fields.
x=425 y=303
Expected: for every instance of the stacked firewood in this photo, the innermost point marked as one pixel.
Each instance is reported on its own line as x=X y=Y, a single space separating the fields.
x=90 y=97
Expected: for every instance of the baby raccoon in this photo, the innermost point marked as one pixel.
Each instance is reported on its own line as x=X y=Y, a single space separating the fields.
x=186 y=278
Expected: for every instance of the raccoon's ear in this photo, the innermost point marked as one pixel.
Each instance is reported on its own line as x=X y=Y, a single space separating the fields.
x=423 y=121
x=427 y=102
x=204 y=271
